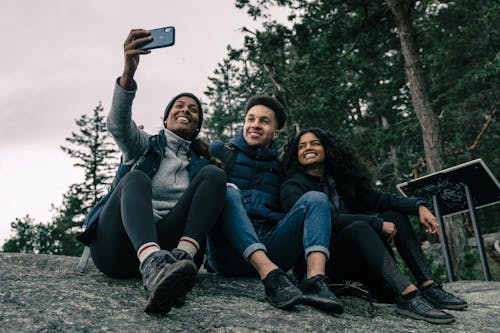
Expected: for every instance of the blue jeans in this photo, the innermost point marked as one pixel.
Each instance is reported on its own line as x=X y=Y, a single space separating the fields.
x=305 y=228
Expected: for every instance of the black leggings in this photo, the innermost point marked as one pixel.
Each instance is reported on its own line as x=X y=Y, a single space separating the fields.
x=127 y=221
x=361 y=254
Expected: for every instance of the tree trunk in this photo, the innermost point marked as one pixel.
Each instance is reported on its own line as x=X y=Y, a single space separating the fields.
x=428 y=120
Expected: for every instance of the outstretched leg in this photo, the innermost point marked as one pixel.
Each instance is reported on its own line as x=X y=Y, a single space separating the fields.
x=409 y=248
x=361 y=255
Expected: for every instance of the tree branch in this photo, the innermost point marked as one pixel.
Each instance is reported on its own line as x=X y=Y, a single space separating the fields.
x=488 y=122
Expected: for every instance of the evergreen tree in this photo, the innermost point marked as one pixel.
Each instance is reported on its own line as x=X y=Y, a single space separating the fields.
x=96 y=155
x=367 y=69
x=26 y=236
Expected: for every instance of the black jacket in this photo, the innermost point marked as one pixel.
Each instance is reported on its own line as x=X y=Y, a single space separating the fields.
x=347 y=197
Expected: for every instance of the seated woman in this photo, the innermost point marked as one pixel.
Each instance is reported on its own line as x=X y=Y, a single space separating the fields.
x=160 y=210
x=320 y=161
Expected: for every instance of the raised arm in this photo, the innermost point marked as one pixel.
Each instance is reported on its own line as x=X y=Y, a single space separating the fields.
x=131 y=140
x=135 y=38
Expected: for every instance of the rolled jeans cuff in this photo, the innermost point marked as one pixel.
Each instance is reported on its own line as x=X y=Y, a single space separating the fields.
x=317 y=248
x=252 y=248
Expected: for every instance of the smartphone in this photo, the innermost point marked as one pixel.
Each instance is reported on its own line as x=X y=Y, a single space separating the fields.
x=162 y=37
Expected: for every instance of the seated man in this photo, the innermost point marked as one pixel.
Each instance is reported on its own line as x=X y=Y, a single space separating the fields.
x=254 y=236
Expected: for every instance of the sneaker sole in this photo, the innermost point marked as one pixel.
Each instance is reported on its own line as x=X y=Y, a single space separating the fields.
x=177 y=283
x=453 y=307
x=427 y=319
x=335 y=308
x=447 y=306
x=287 y=304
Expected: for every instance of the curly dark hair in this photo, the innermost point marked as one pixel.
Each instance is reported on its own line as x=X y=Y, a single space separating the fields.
x=341 y=160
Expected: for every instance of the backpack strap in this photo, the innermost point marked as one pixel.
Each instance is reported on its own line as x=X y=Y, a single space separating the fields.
x=229 y=156
x=147 y=162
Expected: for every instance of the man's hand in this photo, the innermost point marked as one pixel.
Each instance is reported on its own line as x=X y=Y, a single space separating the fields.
x=389 y=230
x=428 y=220
x=135 y=38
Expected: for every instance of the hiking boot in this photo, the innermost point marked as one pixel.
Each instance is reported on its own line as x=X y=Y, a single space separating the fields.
x=280 y=291
x=167 y=279
x=419 y=307
x=443 y=299
x=181 y=255
x=317 y=293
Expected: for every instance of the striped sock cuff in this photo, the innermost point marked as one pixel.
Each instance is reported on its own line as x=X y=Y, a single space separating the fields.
x=189 y=245
x=190 y=240
x=146 y=249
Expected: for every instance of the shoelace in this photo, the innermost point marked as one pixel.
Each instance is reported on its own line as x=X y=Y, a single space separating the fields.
x=181 y=255
x=160 y=260
x=422 y=304
x=439 y=289
x=322 y=283
x=279 y=280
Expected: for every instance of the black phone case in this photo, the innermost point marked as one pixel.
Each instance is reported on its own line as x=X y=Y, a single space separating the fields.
x=162 y=37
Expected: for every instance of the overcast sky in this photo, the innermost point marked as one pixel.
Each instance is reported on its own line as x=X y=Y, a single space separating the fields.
x=60 y=58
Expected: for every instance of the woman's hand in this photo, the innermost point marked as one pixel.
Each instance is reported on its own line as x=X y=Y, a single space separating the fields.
x=135 y=38
x=428 y=220
x=389 y=230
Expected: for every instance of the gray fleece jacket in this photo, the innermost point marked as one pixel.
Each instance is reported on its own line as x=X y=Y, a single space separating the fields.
x=172 y=177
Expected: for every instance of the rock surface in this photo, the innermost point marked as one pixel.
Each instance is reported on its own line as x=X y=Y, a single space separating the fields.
x=42 y=293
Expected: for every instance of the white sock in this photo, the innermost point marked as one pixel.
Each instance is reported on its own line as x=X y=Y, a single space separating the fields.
x=146 y=249
x=189 y=245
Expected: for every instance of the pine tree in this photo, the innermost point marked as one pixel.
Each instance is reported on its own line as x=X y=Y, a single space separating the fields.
x=26 y=236
x=355 y=68
x=94 y=153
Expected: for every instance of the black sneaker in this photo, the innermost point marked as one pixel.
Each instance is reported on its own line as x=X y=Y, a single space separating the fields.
x=440 y=297
x=166 y=279
x=318 y=294
x=280 y=291
x=419 y=307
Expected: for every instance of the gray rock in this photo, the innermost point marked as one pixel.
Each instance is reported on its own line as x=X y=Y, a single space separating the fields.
x=43 y=293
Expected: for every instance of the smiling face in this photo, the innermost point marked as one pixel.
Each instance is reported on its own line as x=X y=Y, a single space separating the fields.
x=260 y=126
x=310 y=151
x=183 y=118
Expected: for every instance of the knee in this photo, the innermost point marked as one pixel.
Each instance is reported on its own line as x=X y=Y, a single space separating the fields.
x=395 y=216
x=315 y=199
x=213 y=174
x=136 y=178
x=234 y=201
x=357 y=231
x=233 y=194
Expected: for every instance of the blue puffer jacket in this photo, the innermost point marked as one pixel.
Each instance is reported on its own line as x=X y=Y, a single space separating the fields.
x=148 y=163
x=256 y=172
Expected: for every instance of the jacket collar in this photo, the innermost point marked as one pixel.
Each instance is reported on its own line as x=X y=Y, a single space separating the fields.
x=260 y=153
x=174 y=142
x=329 y=179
